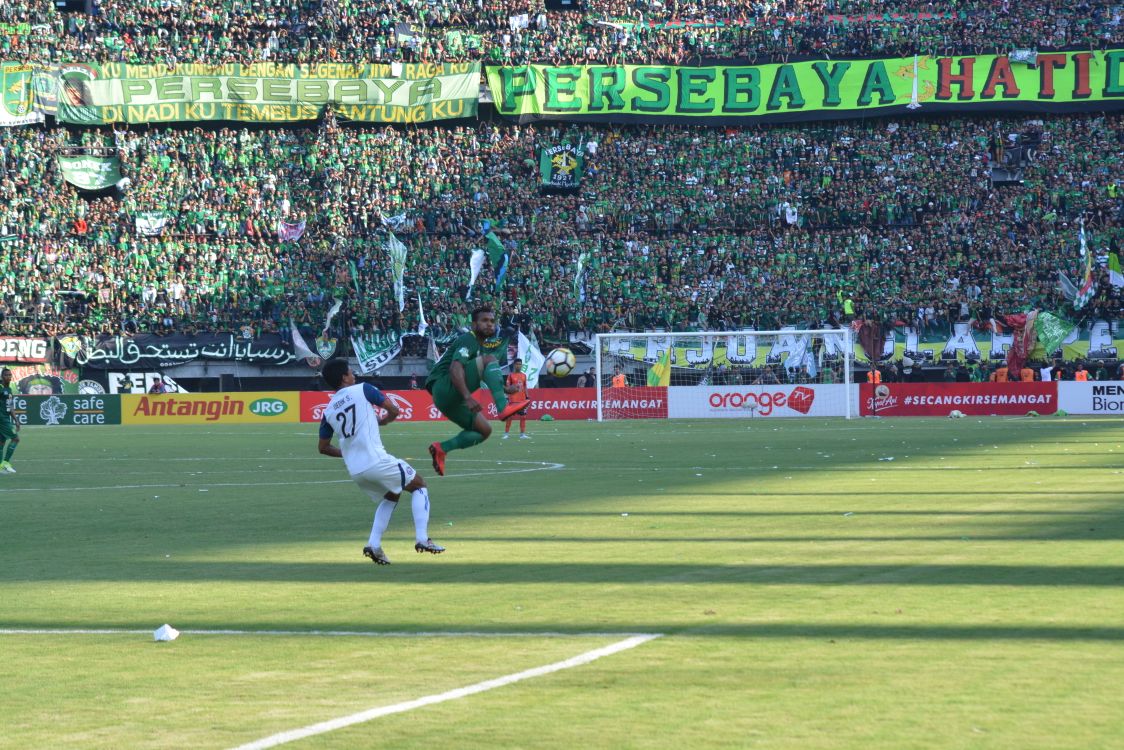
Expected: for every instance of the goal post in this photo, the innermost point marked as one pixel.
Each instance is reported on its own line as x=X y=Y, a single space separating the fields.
x=789 y=372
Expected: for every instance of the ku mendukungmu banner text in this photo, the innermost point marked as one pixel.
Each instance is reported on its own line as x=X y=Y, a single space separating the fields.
x=266 y=92
x=819 y=89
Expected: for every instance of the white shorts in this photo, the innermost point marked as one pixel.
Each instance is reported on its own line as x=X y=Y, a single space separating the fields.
x=387 y=475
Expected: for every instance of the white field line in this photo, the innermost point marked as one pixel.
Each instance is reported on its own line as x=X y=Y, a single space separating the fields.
x=329 y=633
x=373 y=713
x=538 y=467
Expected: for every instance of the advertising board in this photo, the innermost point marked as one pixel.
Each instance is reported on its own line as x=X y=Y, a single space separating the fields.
x=743 y=401
x=973 y=399
x=1092 y=397
x=210 y=408
x=54 y=410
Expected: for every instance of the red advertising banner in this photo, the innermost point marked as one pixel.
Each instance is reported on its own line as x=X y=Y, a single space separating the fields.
x=972 y=399
x=560 y=403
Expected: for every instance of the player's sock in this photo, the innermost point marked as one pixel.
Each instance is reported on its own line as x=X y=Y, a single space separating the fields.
x=419 y=505
x=464 y=439
x=493 y=378
x=12 y=445
x=382 y=521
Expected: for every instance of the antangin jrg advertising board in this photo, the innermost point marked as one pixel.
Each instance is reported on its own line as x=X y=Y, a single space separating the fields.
x=210 y=408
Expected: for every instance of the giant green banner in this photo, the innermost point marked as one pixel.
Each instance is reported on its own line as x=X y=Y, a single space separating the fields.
x=818 y=89
x=267 y=92
x=91 y=172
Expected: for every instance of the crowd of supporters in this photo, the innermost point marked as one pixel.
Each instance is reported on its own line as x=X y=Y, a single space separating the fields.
x=513 y=31
x=680 y=227
x=674 y=227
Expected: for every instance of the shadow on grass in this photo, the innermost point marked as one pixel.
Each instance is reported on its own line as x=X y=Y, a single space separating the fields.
x=450 y=572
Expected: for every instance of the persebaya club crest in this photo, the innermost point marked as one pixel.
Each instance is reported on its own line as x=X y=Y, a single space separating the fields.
x=17 y=89
x=564 y=164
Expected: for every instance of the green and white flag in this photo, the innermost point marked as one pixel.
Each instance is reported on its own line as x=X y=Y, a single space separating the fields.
x=1088 y=288
x=423 y=326
x=91 y=172
x=397 y=253
x=533 y=359
x=376 y=349
x=1115 y=277
x=579 y=293
x=151 y=223
x=560 y=168
x=475 y=264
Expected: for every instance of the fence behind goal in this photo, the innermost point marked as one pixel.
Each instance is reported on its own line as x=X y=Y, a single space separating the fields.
x=726 y=374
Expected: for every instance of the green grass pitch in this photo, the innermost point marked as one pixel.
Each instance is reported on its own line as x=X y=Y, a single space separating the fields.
x=810 y=591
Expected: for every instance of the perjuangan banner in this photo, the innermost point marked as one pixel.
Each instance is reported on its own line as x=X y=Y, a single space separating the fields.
x=91 y=172
x=701 y=351
x=813 y=89
x=267 y=92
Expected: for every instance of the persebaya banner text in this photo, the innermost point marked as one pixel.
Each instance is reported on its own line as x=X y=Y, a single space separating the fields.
x=821 y=89
x=101 y=94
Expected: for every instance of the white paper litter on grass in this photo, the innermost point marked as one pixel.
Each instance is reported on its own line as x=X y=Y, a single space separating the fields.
x=166 y=633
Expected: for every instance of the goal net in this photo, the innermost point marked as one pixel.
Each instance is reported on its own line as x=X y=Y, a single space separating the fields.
x=726 y=374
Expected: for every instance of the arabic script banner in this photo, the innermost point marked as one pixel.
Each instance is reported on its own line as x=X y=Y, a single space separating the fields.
x=150 y=352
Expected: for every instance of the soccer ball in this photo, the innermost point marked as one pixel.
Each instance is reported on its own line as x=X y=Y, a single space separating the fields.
x=560 y=362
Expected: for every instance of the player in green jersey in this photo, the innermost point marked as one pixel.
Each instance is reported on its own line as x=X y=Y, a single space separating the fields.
x=9 y=427
x=458 y=373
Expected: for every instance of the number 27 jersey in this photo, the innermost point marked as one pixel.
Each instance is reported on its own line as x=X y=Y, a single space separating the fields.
x=351 y=414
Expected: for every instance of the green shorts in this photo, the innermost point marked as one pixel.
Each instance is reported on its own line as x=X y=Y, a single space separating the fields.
x=451 y=404
x=7 y=430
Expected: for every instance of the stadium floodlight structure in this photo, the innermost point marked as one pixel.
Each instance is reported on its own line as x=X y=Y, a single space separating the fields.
x=790 y=372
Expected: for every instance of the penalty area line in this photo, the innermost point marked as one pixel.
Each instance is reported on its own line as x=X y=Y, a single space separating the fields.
x=324 y=727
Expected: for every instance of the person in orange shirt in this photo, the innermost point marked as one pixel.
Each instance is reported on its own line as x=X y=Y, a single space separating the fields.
x=619 y=380
x=1000 y=375
x=517 y=389
x=874 y=376
x=1082 y=374
x=1026 y=375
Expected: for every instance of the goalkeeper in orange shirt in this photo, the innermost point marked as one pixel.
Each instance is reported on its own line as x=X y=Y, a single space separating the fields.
x=517 y=388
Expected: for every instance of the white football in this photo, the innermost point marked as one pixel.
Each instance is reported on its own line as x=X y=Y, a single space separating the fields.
x=560 y=362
